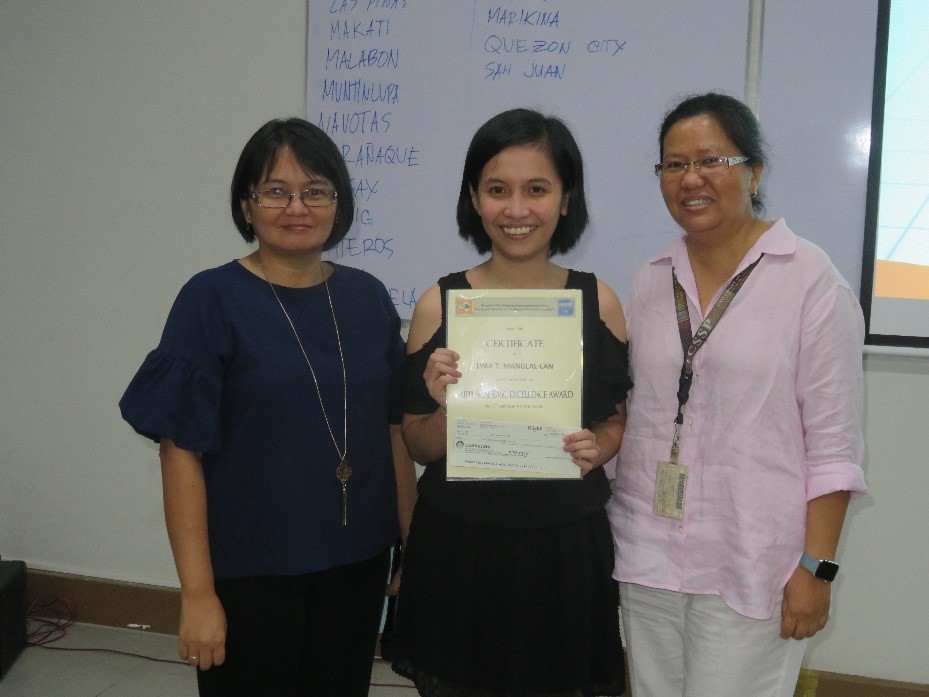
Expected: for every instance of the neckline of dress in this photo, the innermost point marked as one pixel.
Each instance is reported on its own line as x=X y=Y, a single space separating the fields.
x=319 y=287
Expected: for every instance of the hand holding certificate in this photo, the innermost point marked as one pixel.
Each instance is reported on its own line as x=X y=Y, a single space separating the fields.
x=520 y=388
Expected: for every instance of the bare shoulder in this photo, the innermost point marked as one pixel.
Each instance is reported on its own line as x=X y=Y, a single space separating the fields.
x=611 y=310
x=427 y=317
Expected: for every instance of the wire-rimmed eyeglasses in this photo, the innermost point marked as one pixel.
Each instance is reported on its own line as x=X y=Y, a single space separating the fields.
x=674 y=168
x=277 y=197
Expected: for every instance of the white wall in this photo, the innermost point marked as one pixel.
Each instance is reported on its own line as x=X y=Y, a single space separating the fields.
x=120 y=124
x=879 y=626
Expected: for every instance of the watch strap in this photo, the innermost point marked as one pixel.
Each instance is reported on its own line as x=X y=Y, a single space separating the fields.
x=823 y=569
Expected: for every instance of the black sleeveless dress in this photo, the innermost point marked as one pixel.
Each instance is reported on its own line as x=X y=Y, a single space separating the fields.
x=507 y=585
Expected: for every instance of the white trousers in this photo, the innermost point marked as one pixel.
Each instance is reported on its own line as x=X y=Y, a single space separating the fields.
x=684 y=645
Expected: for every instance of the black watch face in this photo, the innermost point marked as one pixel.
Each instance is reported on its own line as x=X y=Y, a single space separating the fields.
x=827 y=570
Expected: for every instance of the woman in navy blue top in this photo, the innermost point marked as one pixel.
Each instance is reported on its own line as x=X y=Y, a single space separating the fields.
x=274 y=394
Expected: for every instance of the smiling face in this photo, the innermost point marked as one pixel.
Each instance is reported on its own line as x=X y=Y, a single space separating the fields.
x=706 y=203
x=296 y=229
x=520 y=199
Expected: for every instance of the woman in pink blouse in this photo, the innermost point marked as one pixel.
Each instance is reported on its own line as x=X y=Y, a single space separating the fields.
x=743 y=446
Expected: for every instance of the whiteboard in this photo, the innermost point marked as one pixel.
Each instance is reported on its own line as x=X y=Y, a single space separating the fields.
x=815 y=98
x=402 y=85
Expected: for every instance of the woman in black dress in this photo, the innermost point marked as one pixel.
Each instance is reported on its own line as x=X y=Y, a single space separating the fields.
x=507 y=585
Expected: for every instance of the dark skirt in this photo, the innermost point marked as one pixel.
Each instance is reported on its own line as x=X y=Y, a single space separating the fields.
x=486 y=611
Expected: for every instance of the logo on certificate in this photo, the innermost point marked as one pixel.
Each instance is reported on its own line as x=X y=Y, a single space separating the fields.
x=566 y=307
x=464 y=307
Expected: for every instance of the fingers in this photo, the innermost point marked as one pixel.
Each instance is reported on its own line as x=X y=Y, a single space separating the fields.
x=805 y=608
x=441 y=371
x=583 y=449
x=202 y=632
x=792 y=628
x=219 y=656
x=806 y=628
x=203 y=657
x=443 y=362
x=788 y=621
x=190 y=653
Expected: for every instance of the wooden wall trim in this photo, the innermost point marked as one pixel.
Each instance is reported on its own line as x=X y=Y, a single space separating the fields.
x=157 y=609
x=841 y=685
x=108 y=602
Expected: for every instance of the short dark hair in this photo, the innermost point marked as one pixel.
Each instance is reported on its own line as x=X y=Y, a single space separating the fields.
x=525 y=127
x=315 y=152
x=737 y=121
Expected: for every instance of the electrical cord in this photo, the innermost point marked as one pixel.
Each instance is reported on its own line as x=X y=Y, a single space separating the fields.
x=48 y=620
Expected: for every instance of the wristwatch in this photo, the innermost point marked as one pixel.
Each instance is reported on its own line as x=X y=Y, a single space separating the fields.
x=823 y=569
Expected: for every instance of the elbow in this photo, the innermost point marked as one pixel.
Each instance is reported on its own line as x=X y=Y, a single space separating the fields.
x=423 y=444
x=408 y=434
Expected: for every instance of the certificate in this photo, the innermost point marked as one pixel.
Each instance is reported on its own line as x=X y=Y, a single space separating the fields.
x=521 y=385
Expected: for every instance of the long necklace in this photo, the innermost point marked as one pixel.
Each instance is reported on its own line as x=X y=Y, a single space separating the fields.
x=344 y=471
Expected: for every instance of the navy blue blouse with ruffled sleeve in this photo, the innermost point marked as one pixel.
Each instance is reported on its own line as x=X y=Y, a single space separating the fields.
x=228 y=380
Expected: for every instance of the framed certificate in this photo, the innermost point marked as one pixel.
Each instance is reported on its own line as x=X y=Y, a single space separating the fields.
x=521 y=385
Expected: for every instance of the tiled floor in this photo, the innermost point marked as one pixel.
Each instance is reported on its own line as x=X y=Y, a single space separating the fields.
x=43 y=672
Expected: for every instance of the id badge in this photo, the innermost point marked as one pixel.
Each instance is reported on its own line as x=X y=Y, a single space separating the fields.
x=670 y=486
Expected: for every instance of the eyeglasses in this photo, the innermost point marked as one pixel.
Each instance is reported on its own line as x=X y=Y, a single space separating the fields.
x=277 y=197
x=707 y=165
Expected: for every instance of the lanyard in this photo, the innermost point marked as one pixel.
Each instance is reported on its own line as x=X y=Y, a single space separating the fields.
x=691 y=343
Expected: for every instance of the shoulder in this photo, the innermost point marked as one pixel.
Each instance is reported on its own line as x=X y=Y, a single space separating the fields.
x=611 y=310
x=228 y=273
x=608 y=306
x=816 y=261
x=427 y=318
x=455 y=280
x=803 y=273
x=650 y=277
x=357 y=278
x=805 y=258
x=360 y=286
x=810 y=272
x=205 y=287
x=205 y=307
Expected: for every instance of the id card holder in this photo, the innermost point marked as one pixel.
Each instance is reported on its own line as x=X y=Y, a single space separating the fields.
x=670 y=487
